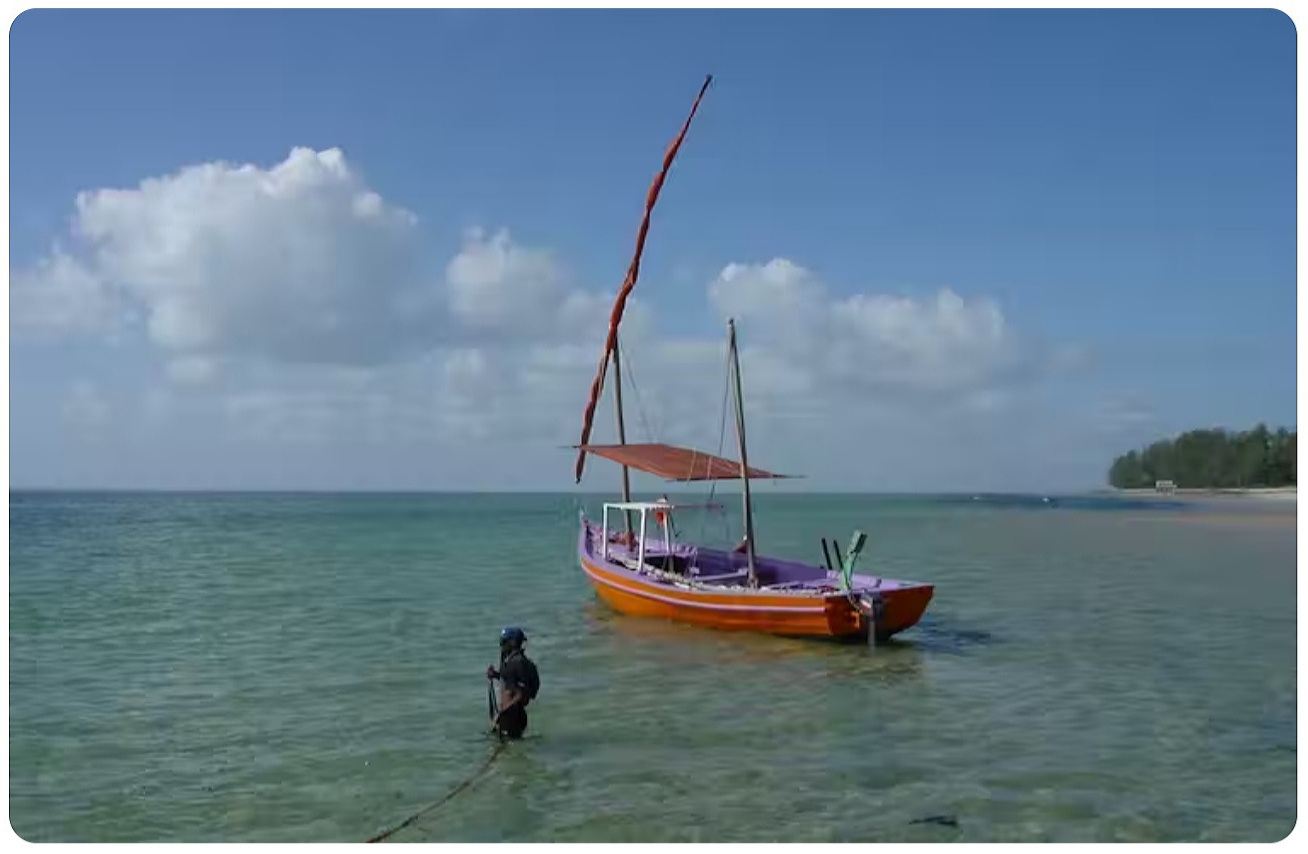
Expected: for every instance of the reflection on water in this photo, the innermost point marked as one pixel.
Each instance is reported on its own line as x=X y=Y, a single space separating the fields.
x=683 y=645
x=941 y=636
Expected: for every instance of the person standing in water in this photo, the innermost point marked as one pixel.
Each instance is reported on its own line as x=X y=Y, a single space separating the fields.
x=519 y=683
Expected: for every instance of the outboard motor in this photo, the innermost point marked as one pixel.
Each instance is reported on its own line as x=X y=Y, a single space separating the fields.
x=874 y=606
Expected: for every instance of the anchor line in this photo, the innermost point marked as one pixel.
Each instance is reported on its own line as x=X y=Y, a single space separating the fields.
x=485 y=766
x=493 y=710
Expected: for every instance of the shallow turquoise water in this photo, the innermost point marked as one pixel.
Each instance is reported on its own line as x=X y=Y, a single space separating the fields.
x=277 y=668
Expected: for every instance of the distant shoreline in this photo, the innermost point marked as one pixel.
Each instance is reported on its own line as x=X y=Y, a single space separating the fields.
x=1277 y=493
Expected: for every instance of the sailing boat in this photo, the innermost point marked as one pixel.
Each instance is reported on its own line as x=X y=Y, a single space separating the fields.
x=644 y=572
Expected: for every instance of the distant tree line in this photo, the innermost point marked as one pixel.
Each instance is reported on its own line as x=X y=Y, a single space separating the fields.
x=1212 y=459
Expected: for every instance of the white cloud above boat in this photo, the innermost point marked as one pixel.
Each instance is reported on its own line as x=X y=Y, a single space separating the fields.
x=940 y=344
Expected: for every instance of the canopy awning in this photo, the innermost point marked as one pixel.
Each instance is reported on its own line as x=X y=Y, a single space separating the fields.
x=674 y=463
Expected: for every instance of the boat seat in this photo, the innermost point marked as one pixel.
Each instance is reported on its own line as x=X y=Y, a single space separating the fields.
x=811 y=582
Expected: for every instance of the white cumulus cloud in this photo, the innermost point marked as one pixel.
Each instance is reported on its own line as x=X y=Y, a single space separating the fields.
x=500 y=290
x=942 y=345
x=496 y=284
x=60 y=296
x=300 y=262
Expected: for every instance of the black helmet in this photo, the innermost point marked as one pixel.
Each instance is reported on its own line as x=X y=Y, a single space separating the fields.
x=512 y=636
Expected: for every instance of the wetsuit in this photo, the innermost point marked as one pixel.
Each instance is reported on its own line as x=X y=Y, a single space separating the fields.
x=513 y=672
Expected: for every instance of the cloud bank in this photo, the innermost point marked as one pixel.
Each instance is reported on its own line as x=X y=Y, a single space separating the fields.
x=290 y=303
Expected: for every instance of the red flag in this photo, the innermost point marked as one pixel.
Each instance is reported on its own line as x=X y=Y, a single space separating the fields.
x=632 y=273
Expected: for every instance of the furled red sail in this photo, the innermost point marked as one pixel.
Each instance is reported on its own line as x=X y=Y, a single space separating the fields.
x=630 y=282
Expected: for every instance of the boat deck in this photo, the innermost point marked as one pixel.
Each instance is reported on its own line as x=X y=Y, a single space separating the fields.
x=686 y=563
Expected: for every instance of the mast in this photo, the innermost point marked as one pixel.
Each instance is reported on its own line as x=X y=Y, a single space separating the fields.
x=744 y=459
x=622 y=427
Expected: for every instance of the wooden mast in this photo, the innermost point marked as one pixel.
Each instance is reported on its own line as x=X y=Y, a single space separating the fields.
x=744 y=457
x=622 y=428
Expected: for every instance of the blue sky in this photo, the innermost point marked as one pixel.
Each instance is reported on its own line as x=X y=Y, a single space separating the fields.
x=1118 y=185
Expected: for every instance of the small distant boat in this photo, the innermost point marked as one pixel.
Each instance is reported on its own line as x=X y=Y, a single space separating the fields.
x=645 y=569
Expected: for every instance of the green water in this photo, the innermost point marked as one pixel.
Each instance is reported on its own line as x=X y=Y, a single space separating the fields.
x=280 y=668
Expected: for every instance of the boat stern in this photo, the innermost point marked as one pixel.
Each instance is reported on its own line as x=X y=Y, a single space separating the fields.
x=878 y=613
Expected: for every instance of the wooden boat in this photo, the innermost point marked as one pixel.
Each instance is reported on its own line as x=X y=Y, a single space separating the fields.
x=650 y=572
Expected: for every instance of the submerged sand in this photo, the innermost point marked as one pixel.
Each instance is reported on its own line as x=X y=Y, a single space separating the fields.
x=1244 y=520
x=1272 y=508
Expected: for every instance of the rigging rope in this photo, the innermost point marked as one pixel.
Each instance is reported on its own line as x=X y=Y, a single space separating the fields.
x=722 y=440
x=629 y=376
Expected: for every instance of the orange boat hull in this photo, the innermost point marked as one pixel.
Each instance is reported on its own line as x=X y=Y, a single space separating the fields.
x=832 y=616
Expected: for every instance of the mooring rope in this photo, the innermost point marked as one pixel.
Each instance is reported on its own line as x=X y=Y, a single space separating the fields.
x=485 y=766
x=467 y=782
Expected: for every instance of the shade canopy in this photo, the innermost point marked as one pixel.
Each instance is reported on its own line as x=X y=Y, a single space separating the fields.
x=674 y=463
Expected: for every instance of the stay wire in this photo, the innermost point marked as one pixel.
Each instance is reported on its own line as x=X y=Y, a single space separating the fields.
x=722 y=441
x=629 y=376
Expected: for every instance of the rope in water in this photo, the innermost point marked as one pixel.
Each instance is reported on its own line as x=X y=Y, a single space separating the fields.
x=484 y=767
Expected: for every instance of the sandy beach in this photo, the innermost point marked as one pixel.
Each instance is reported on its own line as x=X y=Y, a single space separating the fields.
x=1280 y=495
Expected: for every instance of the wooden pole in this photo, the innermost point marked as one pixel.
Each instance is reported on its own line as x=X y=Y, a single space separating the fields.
x=744 y=457
x=622 y=428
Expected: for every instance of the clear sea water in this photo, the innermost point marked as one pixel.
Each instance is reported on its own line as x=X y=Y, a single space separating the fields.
x=311 y=667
